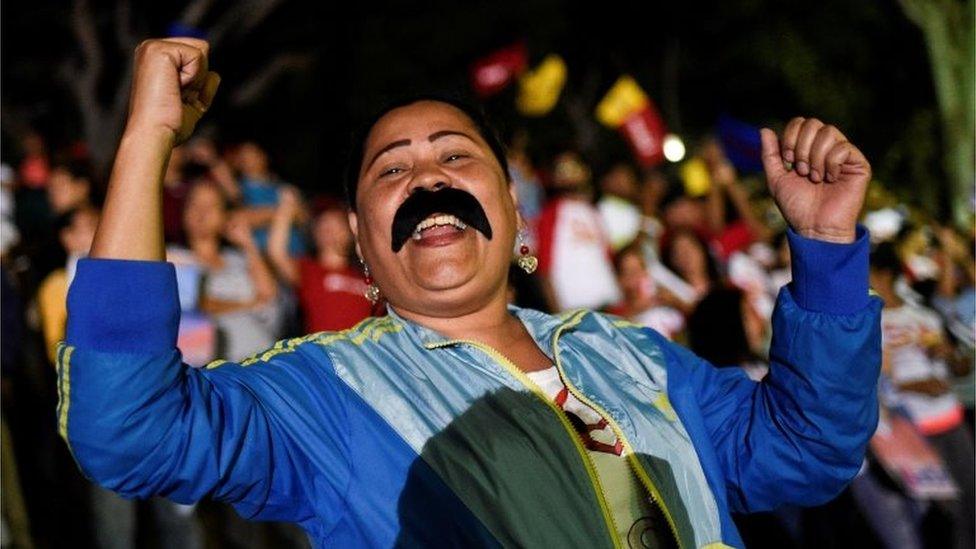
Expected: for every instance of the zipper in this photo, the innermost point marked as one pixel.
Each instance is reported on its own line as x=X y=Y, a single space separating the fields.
x=642 y=475
x=574 y=436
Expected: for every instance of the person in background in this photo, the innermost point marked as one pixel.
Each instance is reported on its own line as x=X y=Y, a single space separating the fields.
x=331 y=290
x=914 y=358
x=779 y=274
x=259 y=194
x=687 y=255
x=34 y=169
x=9 y=232
x=652 y=191
x=725 y=330
x=175 y=189
x=529 y=190
x=643 y=302
x=76 y=229
x=69 y=187
x=574 y=253
x=736 y=230
x=618 y=205
x=202 y=151
x=238 y=288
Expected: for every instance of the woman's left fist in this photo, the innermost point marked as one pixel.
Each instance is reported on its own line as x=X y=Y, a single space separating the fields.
x=817 y=178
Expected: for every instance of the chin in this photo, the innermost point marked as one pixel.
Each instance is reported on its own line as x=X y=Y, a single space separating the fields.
x=446 y=277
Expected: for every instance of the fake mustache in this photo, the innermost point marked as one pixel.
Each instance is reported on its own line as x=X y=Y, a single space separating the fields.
x=423 y=203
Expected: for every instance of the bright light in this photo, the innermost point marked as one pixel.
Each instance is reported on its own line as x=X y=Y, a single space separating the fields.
x=674 y=148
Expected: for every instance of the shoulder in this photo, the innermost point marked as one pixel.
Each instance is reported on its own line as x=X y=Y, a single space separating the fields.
x=615 y=330
x=314 y=348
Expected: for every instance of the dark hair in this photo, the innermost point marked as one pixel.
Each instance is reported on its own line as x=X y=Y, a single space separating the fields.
x=716 y=331
x=884 y=258
x=667 y=245
x=475 y=114
x=634 y=247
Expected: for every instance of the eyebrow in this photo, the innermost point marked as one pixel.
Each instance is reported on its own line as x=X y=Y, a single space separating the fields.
x=404 y=142
x=393 y=145
x=444 y=133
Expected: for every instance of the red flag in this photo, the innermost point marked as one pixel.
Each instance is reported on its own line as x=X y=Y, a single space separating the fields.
x=644 y=131
x=493 y=73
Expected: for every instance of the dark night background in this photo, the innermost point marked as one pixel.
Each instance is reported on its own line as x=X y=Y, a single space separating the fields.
x=860 y=65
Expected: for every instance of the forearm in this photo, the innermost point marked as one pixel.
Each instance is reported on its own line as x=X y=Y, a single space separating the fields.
x=223 y=176
x=815 y=411
x=278 y=249
x=264 y=282
x=716 y=209
x=131 y=225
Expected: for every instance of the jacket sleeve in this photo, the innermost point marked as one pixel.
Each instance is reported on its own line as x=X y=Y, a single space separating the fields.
x=798 y=436
x=140 y=422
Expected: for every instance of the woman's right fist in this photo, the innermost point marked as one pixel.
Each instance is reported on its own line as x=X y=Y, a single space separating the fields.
x=171 y=87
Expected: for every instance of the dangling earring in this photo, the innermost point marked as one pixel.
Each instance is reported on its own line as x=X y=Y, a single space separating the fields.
x=526 y=262
x=372 y=292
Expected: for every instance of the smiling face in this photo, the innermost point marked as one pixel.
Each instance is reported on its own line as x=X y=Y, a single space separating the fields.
x=448 y=271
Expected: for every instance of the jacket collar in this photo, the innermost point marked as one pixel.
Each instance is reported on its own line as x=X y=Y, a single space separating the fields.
x=541 y=326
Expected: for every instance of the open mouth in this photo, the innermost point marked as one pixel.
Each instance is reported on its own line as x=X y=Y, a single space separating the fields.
x=438 y=230
x=437 y=222
x=437 y=218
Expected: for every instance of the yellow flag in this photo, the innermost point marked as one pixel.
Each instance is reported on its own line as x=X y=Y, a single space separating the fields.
x=624 y=99
x=694 y=172
x=539 y=88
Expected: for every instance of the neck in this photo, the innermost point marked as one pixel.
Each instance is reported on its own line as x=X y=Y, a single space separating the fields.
x=203 y=246
x=332 y=259
x=491 y=323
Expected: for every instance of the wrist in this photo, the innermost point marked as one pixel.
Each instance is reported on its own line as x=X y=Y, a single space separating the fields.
x=145 y=133
x=836 y=236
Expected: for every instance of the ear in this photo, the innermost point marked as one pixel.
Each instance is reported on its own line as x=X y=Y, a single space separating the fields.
x=354 y=227
x=520 y=223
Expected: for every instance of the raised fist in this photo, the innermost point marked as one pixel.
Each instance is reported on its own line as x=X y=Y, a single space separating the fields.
x=817 y=177
x=171 y=87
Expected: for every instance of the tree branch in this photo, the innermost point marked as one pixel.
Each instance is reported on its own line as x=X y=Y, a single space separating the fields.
x=195 y=11
x=124 y=33
x=243 y=17
x=264 y=78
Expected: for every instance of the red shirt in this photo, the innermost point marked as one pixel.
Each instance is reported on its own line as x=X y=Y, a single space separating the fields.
x=331 y=299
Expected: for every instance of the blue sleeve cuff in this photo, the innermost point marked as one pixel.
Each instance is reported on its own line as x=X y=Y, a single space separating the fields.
x=123 y=306
x=829 y=277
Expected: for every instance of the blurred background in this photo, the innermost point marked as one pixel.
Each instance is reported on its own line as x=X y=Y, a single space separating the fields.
x=632 y=127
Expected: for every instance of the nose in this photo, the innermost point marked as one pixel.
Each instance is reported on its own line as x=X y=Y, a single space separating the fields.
x=429 y=179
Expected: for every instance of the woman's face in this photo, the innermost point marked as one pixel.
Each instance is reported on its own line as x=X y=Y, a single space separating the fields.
x=687 y=255
x=331 y=232
x=64 y=191
x=204 y=214
x=431 y=145
x=633 y=277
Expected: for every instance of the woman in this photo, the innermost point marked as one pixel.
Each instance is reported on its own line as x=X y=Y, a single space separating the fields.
x=331 y=292
x=687 y=255
x=643 y=302
x=426 y=427
x=238 y=290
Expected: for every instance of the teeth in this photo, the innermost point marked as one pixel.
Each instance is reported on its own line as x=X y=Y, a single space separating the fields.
x=437 y=221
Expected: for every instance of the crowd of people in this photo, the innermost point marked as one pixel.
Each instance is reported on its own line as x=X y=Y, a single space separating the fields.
x=259 y=260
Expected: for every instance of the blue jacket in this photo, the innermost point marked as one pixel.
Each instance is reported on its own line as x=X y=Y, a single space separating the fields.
x=389 y=434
